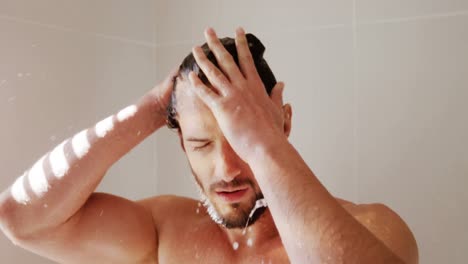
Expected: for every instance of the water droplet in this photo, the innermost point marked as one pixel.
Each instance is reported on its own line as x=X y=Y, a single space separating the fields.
x=300 y=244
x=139 y=133
x=258 y=204
x=340 y=250
x=199 y=204
x=45 y=205
x=235 y=245
x=102 y=211
x=198 y=210
x=250 y=242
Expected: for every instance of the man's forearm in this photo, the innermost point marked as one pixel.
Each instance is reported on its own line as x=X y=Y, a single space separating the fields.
x=57 y=185
x=313 y=226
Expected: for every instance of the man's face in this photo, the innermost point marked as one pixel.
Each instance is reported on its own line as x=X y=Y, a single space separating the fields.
x=225 y=180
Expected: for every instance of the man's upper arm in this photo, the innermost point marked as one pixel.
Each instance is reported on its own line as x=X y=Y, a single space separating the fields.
x=388 y=226
x=107 y=229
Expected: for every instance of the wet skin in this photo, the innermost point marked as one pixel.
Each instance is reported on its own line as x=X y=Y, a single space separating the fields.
x=243 y=136
x=188 y=234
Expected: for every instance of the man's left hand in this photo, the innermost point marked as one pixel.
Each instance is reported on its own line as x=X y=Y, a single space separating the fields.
x=249 y=119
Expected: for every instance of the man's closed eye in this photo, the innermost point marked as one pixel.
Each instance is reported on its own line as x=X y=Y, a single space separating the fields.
x=201 y=147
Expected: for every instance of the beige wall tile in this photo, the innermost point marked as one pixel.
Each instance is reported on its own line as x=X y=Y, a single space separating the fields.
x=123 y=73
x=119 y=18
x=183 y=21
x=174 y=175
x=317 y=68
x=412 y=128
x=275 y=17
x=373 y=10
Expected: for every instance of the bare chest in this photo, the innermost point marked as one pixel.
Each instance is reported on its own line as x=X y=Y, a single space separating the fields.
x=195 y=245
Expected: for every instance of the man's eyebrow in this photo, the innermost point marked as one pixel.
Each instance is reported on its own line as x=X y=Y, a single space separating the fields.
x=195 y=139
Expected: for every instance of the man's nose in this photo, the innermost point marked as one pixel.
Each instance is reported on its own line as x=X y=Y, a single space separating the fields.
x=229 y=164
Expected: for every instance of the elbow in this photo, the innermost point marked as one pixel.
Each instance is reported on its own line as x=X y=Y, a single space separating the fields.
x=5 y=224
x=9 y=224
x=10 y=229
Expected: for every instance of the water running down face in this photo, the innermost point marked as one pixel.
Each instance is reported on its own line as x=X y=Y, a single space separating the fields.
x=246 y=205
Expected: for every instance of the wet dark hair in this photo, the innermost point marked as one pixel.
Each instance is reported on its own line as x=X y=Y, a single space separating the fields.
x=189 y=64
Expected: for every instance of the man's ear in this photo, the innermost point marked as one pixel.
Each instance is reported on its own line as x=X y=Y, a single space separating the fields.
x=287 y=117
x=181 y=139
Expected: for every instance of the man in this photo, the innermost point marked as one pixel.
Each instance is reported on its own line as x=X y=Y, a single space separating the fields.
x=264 y=205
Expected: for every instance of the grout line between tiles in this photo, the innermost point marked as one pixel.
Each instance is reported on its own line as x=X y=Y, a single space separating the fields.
x=154 y=141
x=67 y=29
x=185 y=42
x=356 y=106
x=414 y=18
x=301 y=30
x=331 y=26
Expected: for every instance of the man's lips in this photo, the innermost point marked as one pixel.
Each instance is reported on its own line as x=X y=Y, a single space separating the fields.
x=229 y=190
x=232 y=195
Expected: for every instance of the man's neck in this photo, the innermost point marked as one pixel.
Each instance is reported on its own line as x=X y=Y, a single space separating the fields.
x=255 y=235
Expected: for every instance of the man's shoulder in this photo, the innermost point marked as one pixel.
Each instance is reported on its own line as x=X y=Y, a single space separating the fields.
x=370 y=212
x=387 y=226
x=373 y=215
x=366 y=211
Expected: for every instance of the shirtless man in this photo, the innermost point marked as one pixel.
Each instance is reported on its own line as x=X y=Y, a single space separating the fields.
x=235 y=136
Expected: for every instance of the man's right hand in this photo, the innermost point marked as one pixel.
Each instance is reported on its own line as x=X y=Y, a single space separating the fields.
x=162 y=91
